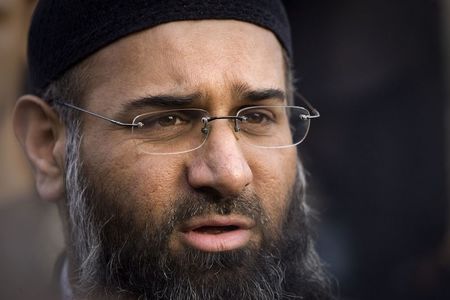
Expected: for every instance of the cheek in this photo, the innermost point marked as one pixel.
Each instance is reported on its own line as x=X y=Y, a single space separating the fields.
x=274 y=180
x=144 y=185
x=158 y=183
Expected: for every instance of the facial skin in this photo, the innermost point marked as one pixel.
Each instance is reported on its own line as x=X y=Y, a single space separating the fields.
x=127 y=208
x=213 y=59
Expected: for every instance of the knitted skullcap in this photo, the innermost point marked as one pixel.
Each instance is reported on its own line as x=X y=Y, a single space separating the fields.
x=65 y=32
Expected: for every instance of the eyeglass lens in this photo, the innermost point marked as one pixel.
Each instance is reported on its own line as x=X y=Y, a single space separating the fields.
x=180 y=131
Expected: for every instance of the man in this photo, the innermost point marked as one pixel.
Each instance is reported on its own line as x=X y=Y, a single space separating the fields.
x=161 y=129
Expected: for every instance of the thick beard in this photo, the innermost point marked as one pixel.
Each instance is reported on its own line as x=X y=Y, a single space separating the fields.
x=112 y=256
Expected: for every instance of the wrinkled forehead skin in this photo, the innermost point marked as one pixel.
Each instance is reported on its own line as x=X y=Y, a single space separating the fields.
x=208 y=57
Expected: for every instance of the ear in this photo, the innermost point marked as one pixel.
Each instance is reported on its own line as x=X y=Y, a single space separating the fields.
x=42 y=136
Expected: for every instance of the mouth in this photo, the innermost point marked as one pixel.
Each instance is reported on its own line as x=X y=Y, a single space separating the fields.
x=217 y=233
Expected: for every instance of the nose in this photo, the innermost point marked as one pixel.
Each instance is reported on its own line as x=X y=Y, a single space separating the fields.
x=220 y=165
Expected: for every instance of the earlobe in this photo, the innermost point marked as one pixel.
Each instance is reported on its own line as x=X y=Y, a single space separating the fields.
x=42 y=136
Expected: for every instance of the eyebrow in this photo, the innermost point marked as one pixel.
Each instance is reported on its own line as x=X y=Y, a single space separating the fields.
x=244 y=92
x=162 y=100
x=264 y=94
x=241 y=92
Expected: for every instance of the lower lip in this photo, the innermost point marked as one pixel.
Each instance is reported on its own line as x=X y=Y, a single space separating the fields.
x=225 y=241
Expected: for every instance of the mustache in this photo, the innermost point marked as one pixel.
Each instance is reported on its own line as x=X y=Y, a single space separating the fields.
x=188 y=206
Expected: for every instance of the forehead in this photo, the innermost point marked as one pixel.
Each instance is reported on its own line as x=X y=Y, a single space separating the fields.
x=186 y=57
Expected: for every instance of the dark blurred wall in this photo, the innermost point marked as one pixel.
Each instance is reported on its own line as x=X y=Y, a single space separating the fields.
x=376 y=157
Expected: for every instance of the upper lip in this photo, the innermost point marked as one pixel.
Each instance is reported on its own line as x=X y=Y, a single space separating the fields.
x=239 y=221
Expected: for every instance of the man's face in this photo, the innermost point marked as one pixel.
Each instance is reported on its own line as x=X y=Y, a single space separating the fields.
x=216 y=59
x=221 y=203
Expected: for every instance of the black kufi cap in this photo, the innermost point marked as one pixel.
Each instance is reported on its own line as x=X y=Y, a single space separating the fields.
x=65 y=32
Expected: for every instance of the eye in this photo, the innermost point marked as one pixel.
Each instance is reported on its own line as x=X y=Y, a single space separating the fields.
x=169 y=127
x=258 y=116
x=164 y=120
x=169 y=120
x=262 y=120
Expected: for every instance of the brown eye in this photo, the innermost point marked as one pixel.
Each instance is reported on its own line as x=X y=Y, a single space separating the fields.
x=168 y=121
x=171 y=130
x=165 y=120
x=258 y=117
x=255 y=118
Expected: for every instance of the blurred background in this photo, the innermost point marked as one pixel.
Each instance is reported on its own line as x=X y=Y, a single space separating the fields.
x=30 y=232
x=378 y=71
x=377 y=160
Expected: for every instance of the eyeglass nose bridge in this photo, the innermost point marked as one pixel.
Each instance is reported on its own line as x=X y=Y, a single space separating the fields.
x=206 y=120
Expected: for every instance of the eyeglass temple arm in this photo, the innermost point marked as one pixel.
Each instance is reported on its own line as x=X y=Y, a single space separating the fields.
x=314 y=112
x=99 y=116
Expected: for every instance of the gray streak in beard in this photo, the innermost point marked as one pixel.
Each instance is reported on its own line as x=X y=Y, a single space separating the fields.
x=83 y=236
